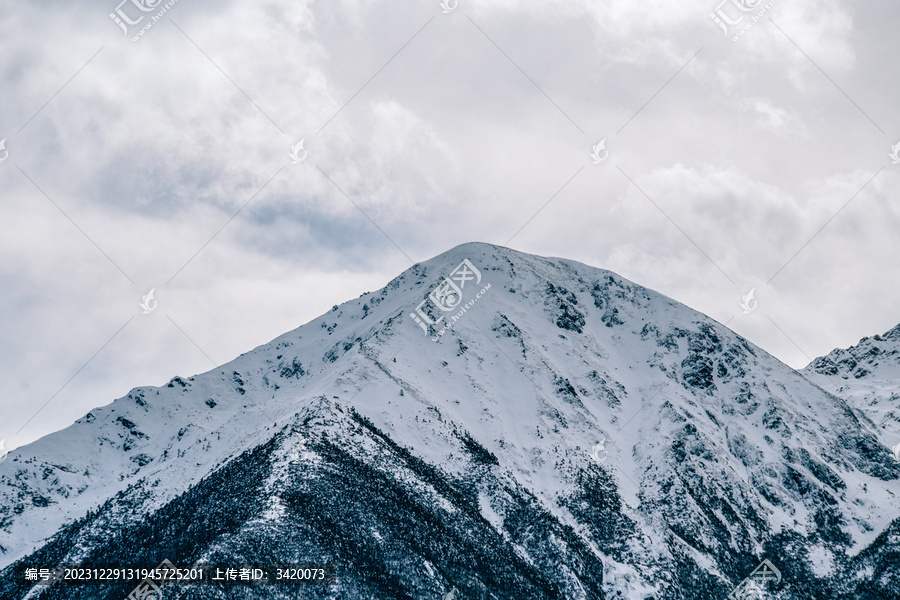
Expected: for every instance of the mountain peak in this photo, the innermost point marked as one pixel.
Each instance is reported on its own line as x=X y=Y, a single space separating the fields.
x=873 y=357
x=866 y=375
x=537 y=402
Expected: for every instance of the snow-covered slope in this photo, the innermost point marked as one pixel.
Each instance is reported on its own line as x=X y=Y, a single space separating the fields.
x=867 y=375
x=715 y=454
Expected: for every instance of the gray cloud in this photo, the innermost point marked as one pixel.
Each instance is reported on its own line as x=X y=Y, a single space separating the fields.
x=440 y=128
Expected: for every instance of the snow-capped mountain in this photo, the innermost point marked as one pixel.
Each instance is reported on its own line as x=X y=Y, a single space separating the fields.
x=867 y=375
x=507 y=425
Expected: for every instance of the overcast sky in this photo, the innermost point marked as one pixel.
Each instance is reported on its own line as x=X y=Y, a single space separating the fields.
x=756 y=163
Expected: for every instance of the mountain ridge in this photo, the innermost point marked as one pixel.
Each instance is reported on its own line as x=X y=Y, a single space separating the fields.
x=866 y=374
x=718 y=453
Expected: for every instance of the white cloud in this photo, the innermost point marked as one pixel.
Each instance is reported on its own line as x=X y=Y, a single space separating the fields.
x=779 y=120
x=151 y=149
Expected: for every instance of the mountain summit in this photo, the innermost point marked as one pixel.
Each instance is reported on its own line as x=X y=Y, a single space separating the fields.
x=502 y=424
x=867 y=375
